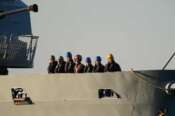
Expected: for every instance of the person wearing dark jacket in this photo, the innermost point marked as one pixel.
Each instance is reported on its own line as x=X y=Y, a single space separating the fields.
x=61 y=65
x=99 y=67
x=69 y=66
x=111 y=65
x=52 y=64
x=79 y=67
x=88 y=67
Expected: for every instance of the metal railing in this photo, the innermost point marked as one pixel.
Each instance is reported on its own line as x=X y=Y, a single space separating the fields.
x=18 y=52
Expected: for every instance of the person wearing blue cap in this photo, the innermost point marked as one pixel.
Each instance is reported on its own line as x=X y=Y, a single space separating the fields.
x=99 y=67
x=69 y=66
x=88 y=67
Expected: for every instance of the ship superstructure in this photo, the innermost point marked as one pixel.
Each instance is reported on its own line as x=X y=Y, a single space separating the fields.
x=17 y=42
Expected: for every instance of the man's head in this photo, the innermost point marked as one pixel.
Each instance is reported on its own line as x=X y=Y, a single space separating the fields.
x=52 y=58
x=61 y=59
x=98 y=60
x=88 y=60
x=78 y=58
x=110 y=58
x=69 y=56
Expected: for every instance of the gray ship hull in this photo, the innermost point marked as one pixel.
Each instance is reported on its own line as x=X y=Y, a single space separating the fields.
x=77 y=94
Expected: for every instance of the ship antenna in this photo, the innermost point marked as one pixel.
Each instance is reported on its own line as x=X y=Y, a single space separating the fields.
x=169 y=60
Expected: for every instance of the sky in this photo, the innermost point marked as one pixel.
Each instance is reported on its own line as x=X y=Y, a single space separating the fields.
x=140 y=33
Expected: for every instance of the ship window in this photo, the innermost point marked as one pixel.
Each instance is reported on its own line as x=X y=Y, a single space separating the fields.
x=102 y=93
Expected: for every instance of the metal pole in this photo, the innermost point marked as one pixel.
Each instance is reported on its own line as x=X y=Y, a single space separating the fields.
x=33 y=8
x=168 y=61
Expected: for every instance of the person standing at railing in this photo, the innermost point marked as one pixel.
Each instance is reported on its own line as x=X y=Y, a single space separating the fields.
x=111 y=65
x=52 y=64
x=60 y=68
x=69 y=66
x=88 y=67
x=99 y=67
x=79 y=67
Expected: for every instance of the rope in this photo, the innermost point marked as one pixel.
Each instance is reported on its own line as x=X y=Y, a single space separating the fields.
x=169 y=60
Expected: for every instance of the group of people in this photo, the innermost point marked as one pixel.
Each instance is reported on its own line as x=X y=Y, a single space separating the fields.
x=75 y=65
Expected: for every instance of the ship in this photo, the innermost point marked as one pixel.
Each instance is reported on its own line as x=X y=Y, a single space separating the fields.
x=126 y=93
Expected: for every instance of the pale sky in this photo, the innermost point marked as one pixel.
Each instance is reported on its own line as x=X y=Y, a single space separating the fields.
x=140 y=33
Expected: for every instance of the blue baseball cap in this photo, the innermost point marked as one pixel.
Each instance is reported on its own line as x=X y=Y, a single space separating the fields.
x=88 y=60
x=68 y=54
x=98 y=58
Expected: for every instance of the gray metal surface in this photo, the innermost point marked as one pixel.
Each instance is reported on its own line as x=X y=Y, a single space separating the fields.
x=77 y=95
